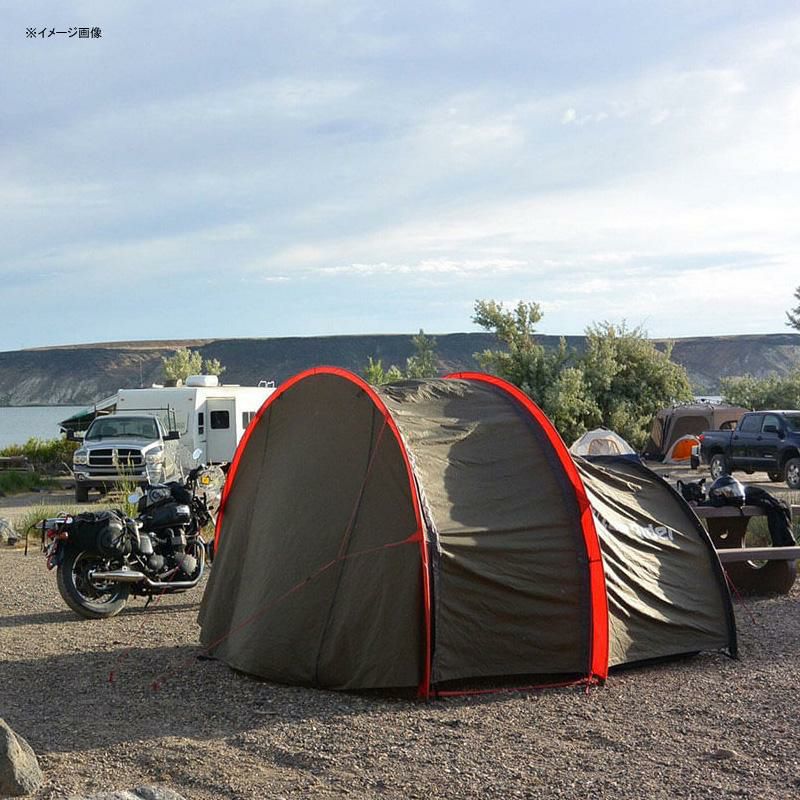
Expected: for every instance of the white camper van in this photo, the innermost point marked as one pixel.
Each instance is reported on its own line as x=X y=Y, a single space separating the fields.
x=151 y=434
x=206 y=415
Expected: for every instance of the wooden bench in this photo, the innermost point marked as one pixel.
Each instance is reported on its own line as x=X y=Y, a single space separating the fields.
x=15 y=464
x=752 y=570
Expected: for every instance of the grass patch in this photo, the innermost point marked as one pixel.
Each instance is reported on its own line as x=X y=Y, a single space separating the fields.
x=13 y=482
x=35 y=514
x=26 y=521
x=49 y=456
x=118 y=498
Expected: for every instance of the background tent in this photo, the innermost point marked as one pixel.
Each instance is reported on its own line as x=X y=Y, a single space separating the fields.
x=437 y=533
x=601 y=442
x=670 y=424
x=680 y=452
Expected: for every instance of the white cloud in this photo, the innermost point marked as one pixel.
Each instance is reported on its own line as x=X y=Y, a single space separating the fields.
x=428 y=266
x=593 y=192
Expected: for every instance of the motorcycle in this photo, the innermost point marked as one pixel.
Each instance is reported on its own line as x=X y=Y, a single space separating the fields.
x=101 y=558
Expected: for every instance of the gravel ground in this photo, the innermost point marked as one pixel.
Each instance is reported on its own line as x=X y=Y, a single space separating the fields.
x=15 y=506
x=701 y=727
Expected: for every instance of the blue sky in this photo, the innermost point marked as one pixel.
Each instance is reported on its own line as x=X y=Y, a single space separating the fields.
x=305 y=168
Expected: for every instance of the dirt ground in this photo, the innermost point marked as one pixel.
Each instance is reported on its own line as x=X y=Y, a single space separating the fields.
x=131 y=700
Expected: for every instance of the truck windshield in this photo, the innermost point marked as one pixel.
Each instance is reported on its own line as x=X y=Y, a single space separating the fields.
x=793 y=422
x=122 y=427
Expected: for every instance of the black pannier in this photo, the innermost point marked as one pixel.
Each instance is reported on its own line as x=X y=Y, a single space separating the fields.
x=102 y=532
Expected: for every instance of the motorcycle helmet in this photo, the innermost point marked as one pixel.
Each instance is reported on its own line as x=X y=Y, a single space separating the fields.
x=726 y=491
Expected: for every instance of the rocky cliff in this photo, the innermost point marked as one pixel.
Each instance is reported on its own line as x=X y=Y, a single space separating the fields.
x=86 y=373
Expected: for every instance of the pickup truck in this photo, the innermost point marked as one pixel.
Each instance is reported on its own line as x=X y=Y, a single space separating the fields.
x=763 y=441
x=124 y=449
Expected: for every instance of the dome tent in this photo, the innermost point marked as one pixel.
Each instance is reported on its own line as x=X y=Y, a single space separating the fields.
x=601 y=442
x=434 y=533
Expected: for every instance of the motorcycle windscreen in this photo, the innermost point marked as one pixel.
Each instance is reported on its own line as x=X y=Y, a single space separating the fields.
x=666 y=590
x=317 y=580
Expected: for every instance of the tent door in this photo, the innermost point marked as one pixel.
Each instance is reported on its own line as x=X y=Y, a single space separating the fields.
x=220 y=425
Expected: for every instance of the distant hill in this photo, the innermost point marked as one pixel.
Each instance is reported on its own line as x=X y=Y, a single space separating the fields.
x=77 y=374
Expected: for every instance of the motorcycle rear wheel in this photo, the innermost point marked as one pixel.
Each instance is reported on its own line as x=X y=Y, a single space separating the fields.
x=89 y=600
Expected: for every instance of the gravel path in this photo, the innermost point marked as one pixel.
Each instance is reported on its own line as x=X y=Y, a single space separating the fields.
x=701 y=727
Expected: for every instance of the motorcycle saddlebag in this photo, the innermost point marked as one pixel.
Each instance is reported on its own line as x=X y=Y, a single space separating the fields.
x=102 y=532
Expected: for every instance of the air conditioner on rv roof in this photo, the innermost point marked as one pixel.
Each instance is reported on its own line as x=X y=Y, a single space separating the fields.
x=202 y=380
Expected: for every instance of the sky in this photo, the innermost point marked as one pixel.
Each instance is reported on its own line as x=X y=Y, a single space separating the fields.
x=249 y=169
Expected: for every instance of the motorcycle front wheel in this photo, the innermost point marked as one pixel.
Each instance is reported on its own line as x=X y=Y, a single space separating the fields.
x=89 y=600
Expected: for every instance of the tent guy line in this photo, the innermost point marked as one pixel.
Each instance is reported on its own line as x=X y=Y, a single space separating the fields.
x=182 y=665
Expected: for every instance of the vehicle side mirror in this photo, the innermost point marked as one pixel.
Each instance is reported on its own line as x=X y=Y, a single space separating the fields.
x=172 y=436
x=75 y=436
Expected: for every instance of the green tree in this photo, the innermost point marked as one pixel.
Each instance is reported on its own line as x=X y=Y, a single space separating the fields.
x=212 y=366
x=423 y=363
x=569 y=404
x=630 y=379
x=620 y=381
x=761 y=393
x=420 y=365
x=375 y=374
x=794 y=315
x=524 y=362
x=185 y=362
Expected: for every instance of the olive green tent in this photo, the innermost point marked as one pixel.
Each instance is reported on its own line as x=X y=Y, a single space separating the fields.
x=437 y=534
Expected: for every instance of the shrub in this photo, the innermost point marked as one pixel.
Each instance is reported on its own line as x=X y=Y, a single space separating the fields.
x=15 y=482
x=620 y=381
x=48 y=456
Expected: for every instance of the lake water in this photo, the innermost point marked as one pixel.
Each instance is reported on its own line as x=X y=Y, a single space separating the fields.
x=21 y=423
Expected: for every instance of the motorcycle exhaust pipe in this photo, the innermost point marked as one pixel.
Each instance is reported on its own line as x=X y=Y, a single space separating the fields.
x=118 y=575
x=132 y=576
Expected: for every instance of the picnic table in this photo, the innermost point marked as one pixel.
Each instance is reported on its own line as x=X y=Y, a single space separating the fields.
x=15 y=464
x=751 y=570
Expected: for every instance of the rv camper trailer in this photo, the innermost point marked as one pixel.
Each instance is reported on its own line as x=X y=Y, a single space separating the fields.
x=206 y=415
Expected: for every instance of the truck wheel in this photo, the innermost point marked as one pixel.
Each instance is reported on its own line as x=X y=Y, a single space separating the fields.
x=81 y=494
x=793 y=473
x=775 y=477
x=718 y=466
x=766 y=577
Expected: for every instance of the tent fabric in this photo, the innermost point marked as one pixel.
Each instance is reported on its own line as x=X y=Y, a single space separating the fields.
x=651 y=541
x=323 y=565
x=485 y=443
x=681 y=450
x=670 y=424
x=601 y=442
x=434 y=533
